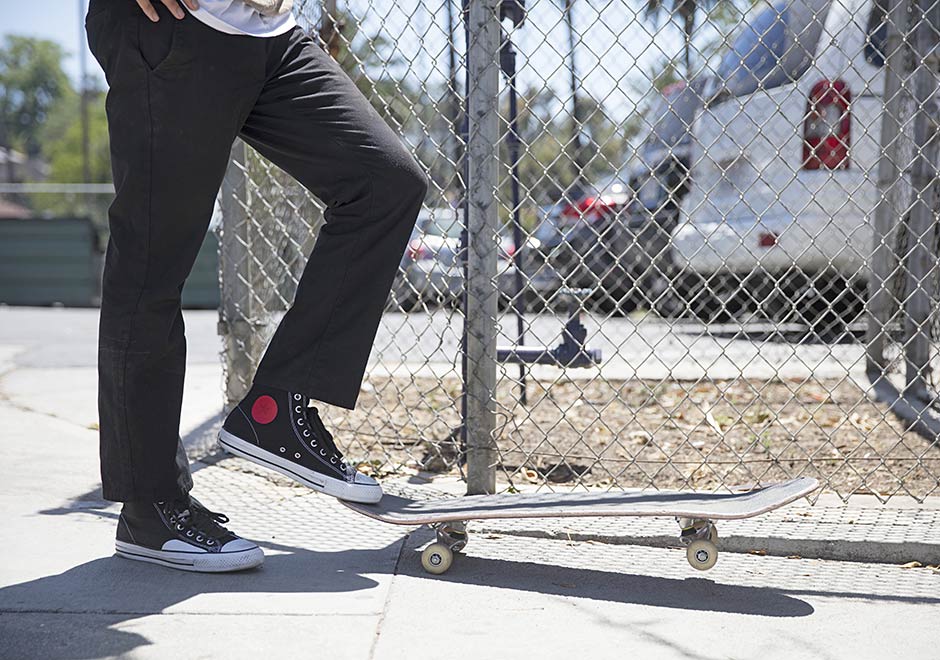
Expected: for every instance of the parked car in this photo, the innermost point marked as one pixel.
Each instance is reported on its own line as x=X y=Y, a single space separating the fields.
x=661 y=181
x=420 y=275
x=784 y=167
x=575 y=245
x=615 y=242
x=431 y=270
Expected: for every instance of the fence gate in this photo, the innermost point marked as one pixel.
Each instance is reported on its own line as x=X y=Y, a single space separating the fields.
x=667 y=244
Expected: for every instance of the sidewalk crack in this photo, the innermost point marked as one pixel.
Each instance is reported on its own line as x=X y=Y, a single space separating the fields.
x=388 y=595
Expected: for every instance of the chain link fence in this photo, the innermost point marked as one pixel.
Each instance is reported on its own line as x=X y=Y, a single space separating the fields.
x=667 y=244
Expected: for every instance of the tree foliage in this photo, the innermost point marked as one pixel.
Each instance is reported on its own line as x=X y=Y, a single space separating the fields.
x=32 y=82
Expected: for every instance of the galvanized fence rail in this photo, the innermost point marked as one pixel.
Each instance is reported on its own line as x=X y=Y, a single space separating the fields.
x=668 y=245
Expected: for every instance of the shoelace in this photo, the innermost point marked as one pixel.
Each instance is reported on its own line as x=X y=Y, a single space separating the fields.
x=312 y=415
x=193 y=518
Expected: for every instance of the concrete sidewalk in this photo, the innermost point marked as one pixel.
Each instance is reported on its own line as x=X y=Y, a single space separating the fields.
x=338 y=585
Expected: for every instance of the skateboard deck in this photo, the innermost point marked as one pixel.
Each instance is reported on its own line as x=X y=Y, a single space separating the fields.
x=696 y=511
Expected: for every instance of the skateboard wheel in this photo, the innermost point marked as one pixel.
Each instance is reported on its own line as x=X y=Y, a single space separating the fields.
x=701 y=554
x=437 y=558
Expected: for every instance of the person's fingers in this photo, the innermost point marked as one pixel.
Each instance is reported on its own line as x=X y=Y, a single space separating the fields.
x=174 y=7
x=148 y=9
x=192 y=4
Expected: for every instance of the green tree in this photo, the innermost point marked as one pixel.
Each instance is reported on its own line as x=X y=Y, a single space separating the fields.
x=61 y=140
x=547 y=168
x=721 y=14
x=32 y=82
x=61 y=147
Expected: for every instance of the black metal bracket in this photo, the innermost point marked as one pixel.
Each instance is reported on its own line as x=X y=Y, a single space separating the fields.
x=571 y=353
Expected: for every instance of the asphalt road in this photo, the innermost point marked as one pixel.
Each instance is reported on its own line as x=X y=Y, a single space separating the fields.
x=631 y=348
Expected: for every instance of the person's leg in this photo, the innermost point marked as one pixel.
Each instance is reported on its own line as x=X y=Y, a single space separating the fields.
x=313 y=122
x=179 y=93
x=173 y=112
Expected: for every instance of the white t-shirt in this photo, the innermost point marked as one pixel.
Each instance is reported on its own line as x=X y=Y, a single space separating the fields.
x=235 y=17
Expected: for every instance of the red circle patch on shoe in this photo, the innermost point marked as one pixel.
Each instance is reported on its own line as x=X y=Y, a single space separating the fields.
x=264 y=409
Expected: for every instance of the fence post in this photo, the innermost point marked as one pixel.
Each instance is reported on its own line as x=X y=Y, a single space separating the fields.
x=886 y=216
x=922 y=222
x=235 y=317
x=482 y=108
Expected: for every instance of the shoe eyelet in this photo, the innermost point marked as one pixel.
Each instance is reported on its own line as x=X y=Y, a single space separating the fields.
x=179 y=528
x=297 y=397
x=210 y=542
x=300 y=422
x=322 y=452
x=283 y=450
x=333 y=460
x=297 y=455
x=306 y=433
x=189 y=533
x=297 y=410
x=200 y=538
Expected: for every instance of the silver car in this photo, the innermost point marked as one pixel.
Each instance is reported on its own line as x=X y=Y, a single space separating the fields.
x=431 y=270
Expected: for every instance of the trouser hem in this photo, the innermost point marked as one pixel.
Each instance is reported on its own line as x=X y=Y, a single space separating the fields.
x=151 y=495
x=312 y=391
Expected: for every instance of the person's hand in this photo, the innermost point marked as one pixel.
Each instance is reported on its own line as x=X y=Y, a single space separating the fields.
x=146 y=6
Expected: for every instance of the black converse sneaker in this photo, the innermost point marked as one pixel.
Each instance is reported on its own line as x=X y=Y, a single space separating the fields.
x=278 y=429
x=183 y=534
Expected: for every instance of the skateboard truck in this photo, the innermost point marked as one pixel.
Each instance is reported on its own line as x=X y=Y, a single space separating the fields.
x=571 y=352
x=451 y=537
x=699 y=537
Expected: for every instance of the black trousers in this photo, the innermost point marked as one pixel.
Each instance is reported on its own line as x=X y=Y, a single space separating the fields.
x=180 y=93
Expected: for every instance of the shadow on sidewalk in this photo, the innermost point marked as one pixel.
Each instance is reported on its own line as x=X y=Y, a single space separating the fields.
x=73 y=614
x=693 y=594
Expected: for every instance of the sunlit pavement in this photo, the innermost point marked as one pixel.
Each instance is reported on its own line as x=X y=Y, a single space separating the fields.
x=342 y=586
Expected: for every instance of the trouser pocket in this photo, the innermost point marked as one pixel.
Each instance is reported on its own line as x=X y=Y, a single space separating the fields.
x=158 y=41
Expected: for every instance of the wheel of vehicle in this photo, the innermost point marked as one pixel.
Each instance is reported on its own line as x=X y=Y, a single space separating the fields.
x=402 y=302
x=615 y=299
x=437 y=558
x=715 y=299
x=826 y=304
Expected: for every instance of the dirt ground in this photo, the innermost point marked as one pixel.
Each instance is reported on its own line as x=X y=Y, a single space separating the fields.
x=639 y=433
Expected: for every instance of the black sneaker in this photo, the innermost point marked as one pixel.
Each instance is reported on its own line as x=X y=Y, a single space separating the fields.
x=278 y=430
x=183 y=534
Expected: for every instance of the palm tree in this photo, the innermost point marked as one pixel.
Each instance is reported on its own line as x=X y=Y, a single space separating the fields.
x=579 y=156
x=683 y=12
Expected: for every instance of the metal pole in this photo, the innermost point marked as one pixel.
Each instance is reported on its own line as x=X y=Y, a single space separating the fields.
x=483 y=71
x=509 y=68
x=83 y=91
x=457 y=133
x=888 y=209
x=464 y=170
x=579 y=163
x=330 y=28
x=235 y=309
x=922 y=222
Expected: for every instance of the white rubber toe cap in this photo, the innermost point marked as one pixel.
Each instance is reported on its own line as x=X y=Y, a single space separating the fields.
x=239 y=545
x=365 y=480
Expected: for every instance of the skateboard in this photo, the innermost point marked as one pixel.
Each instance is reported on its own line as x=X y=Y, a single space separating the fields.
x=696 y=514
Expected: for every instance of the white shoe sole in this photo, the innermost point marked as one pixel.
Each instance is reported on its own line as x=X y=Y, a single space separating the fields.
x=365 y=494
x=198 y=562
